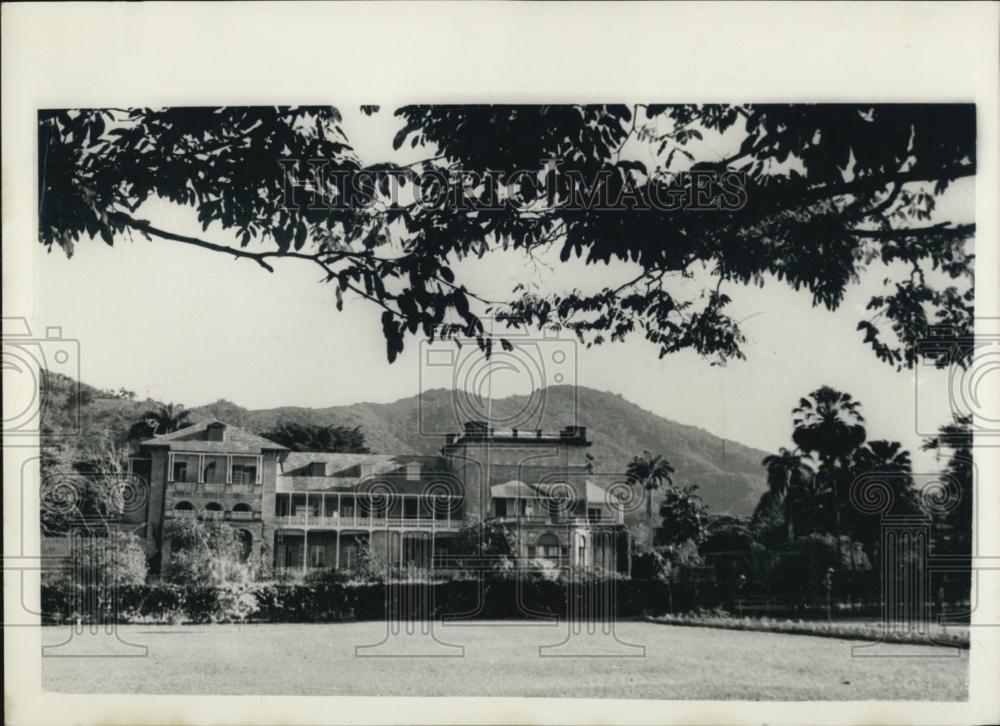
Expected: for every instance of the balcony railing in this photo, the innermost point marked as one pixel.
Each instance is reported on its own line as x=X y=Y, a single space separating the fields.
x=572 y=520
x=219 y=469
x=189 y=487
x=373 y=522
x=214 y=514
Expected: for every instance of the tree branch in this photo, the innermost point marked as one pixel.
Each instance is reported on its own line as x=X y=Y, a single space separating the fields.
x=146 y=228
x=863 y=184
x=960 y=230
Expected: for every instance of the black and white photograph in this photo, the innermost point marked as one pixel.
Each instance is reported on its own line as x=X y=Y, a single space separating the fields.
x=663 y=398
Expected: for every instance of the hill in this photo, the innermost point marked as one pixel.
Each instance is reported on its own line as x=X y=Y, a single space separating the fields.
x=729 y=474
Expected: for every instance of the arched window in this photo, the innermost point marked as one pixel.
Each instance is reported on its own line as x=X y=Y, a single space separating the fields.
x=214 y=510
x=242 y=510
x=184 y=509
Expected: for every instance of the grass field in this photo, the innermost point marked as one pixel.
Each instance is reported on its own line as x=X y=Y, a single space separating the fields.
x=500 y=659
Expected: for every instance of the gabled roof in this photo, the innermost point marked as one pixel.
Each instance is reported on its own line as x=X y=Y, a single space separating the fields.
x=193 y=438
x=516 y=488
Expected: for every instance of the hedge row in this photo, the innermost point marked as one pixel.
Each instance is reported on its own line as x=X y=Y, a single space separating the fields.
x=491 y=598
x=331 y=602
x=886 y=632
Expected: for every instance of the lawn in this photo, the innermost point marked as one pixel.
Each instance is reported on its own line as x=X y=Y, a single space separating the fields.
x=501 y=659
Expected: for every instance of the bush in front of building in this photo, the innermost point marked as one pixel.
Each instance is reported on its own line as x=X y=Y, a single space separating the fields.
x=207 y=552
x=208 y=561
x=498 y=597
x=103 y=557
x=103 y=561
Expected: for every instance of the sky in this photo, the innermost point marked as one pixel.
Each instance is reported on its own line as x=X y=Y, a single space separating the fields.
x=181 y=324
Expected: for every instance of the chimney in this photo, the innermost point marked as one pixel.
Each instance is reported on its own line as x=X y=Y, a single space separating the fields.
x=316 y=468
x=513 y=433
x=413 y=471
x=216 y=431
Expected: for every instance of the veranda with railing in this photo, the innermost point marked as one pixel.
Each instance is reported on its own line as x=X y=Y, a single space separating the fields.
x=340 y=510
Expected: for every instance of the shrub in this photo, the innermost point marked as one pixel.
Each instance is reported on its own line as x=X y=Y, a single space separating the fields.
x=208 y=553
x=110 y=558
x=208 y=562
x=328 y=576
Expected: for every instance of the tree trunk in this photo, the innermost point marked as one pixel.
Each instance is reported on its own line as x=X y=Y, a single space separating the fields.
x=833 y=473
x=649 y=515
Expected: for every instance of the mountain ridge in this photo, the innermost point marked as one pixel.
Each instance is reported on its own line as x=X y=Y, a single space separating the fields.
x=729 y=473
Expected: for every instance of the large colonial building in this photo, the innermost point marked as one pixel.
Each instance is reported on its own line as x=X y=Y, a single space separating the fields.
x=298 y=511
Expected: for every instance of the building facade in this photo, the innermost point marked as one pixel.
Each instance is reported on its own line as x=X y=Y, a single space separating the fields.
x=301 y=511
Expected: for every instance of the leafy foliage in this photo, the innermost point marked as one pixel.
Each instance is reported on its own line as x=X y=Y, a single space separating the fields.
x=957 y=515
x=830 y=191
x=649 y=471
x=666 y=563
x=207 y=552
x=685 y=516
x=487 y=546
x=115 y=558
x=88 y=490
x=817 y=515
x=828 y=423
x=307 y=437
x=164 y=419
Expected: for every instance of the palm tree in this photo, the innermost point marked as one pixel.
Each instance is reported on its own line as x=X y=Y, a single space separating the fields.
x=164 y=419
x=788 y=474
x=649 y=471
x=883 y=456
x=891 y=464
x=956 y=438
x=829 y=424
